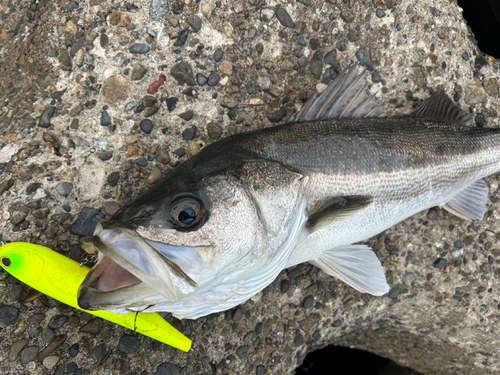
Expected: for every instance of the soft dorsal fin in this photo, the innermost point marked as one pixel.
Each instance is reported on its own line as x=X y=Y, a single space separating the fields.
x=346 y=96
x=439 y=107
x=336 y=209
x=470 y=203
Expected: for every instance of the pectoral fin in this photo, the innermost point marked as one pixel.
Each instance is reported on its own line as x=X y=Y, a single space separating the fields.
x=337 y=209
x=357 y=266
x=470 y=203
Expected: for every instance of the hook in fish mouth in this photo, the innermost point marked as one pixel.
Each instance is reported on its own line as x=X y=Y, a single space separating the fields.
x=131 y=271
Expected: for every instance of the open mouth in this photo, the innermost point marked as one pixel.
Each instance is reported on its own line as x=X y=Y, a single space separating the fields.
x=131 y=271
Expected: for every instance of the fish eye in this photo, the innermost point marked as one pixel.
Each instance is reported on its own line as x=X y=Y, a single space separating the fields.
x=6 y=262
x=186 y=211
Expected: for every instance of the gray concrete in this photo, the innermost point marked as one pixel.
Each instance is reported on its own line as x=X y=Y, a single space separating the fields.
x=436 y=320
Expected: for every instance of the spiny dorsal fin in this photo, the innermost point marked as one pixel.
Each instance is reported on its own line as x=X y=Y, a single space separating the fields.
x=346 y=96
x=439 y=107
x=336 y=209
x=470 y=203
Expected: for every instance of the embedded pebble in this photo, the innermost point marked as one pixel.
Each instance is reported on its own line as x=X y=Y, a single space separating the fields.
x=57 y=321
x=105 y=119
x=50 y=361
x=46 y=116
x=29 y=354
x=18 y=212
x=138 y=72
x=285 y=18
x=214 y=130
x=146 y=126
x=201 y=79
x=195 y=22
x=64 y=188
x=308 y=302
x=16 y=348
x=154 y=176
x=167 y=368
x=129 y=344
x=440 y=263
x=182 y=38
x=172 y=103
x=475 y=94
x=195 y=146
x=183 y=73
x=364 y=59
x=226 y=67
x=113 y=179
x=139 y=48
x=189 y=133
x=218 y=55
x=158 y=9
x=213 y=79
x=188 y=115
x=278 y=115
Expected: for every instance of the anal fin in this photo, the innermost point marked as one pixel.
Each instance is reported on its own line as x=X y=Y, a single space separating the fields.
x=357 y=266
x=470 y=203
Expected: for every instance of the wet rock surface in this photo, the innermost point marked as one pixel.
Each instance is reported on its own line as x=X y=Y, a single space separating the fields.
x=230 y=67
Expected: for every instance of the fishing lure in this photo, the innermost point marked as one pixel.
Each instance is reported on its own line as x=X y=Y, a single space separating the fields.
x=60 y=277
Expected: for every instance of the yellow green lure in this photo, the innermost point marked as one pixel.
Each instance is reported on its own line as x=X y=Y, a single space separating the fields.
x=60 y=277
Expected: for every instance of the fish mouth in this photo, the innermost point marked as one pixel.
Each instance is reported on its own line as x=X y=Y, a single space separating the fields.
x=132 y=273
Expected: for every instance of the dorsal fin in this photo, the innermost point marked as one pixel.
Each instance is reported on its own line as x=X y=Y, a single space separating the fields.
x=346 y=96
x=439 y=107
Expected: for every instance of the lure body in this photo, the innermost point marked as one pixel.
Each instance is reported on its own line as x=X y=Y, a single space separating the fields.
x=60 y=277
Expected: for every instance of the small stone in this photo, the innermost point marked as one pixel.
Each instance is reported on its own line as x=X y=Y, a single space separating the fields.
x=70 y=27
x=432 y=214
x=298 y=340
x=218 y=55
x=214 y=131
x=113 y=179
x=195 y=22
x=8 y=314
x=105 y=155
x=104 y=41
x=167 y=368
x=158 y=9
x=188 y=115
x=163 y=157
x=41 y=213
x=285 y=18
x=47 y=114
x=47 y=334
x=380 y=13
x=213 y=79
x=29 y=354
x=124 y=20
x=226 y=67
x=93 y=326
x=57 y=321
x=73 y=350
x=139 y=48
x=278 y=115
x=50 y=361
x=440 y=263
x=189 y=133
x=364 y=59
x=86 y=222
x=180 y=152
x=285 y=286
x=129 y=344
x=183 y=73
x=201 y=79
x=138 y=72
x=54 y=344
x=267 y=14
x=182 y=38
x=308 y=302
x=172 y=103
x=242 y=351
x=64 y=188
x=475 y=94
x=65 y=58
x=16 y=348
x=118 y=60
x=491 y=87
x=18 y=212
x=376 y=78
x=146 y=126
x=110 y=208
x=264 y=83
x=154 y=176
x=230 y=103
x=305 y=2
x=6 y=185
x=105 y=119
x=115 y=88
x=394 y=293
x=195 y=146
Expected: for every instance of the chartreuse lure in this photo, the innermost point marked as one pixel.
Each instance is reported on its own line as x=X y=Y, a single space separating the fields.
x=59 y=277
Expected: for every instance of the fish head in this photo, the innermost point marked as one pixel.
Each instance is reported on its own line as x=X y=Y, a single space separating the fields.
x=185 y=234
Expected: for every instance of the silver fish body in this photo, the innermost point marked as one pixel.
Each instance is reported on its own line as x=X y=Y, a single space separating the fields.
x=221 y=227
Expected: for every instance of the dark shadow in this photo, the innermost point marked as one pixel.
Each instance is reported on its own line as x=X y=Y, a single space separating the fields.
x=483 y=17
x=341 y=360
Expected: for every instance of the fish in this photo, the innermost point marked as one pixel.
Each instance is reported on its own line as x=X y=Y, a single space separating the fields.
x=219 y=228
